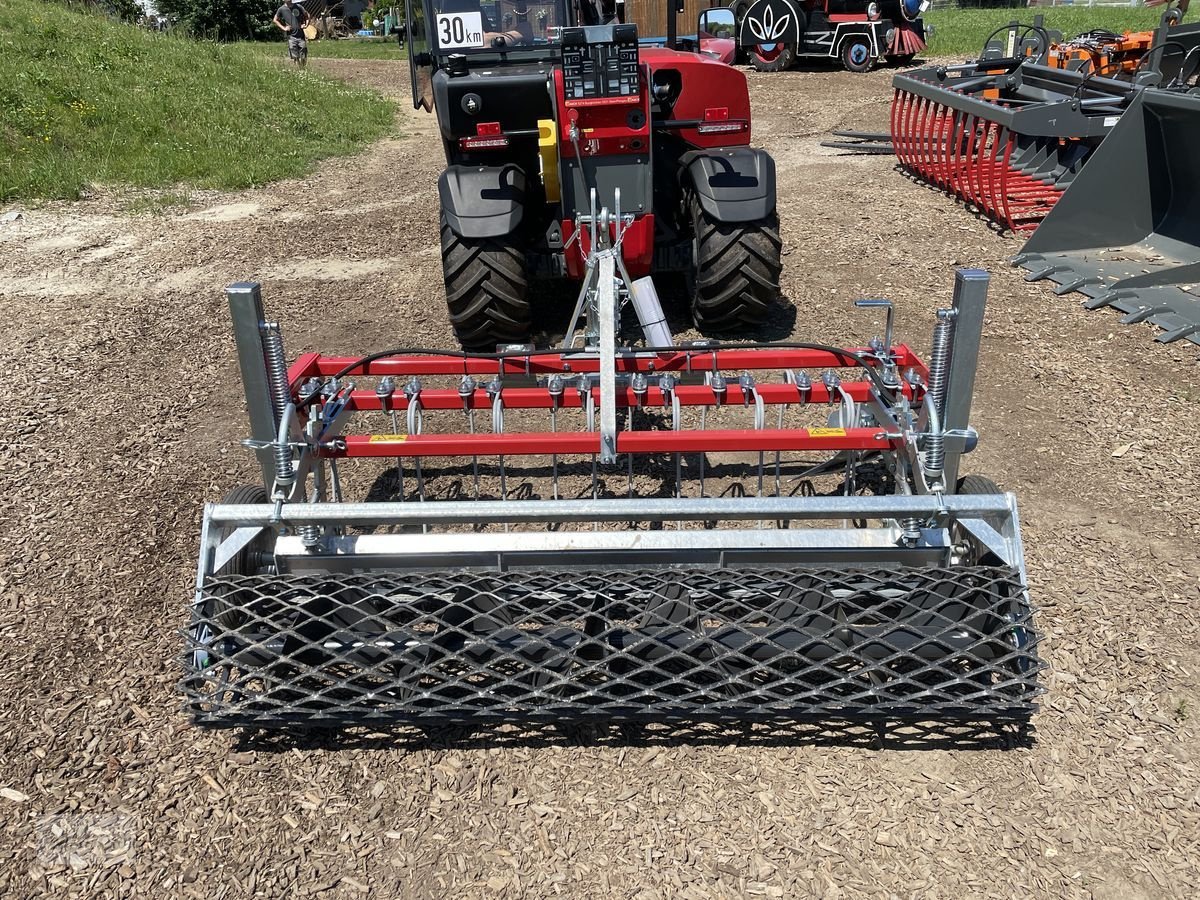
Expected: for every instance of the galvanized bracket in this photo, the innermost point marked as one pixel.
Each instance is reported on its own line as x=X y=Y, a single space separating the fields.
x=970 y=300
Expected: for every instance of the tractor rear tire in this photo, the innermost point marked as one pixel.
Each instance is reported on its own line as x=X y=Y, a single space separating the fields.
x=734 y=275
x=487 y=288
x=779 y=60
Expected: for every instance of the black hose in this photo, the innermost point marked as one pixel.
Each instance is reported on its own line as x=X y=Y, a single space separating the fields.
x=854 y=358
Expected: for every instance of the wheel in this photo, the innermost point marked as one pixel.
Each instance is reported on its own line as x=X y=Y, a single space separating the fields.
x=226 y=603
x=772 y=57
x=856 y=54
x=976 y=484
x=734 y=275
x=486 y=290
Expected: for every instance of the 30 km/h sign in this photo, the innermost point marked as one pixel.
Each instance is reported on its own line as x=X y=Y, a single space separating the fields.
x=460 y=30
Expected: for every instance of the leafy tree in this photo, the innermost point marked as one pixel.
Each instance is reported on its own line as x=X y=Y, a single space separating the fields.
x=125 y=10
x=226 y=20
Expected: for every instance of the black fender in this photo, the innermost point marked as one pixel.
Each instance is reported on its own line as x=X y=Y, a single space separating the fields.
x=482 y=201
x=733 y=184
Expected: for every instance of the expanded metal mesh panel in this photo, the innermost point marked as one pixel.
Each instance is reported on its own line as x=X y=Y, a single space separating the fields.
x=655 y=644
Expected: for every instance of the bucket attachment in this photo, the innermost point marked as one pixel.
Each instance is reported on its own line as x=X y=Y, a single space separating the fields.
x=707 y=532
x=1127 y=233
x=1005 y=136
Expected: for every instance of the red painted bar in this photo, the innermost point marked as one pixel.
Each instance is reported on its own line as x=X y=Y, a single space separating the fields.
x=305 y=367
x=828 y=440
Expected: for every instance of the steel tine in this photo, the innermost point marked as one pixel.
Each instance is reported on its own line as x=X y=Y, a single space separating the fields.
x=554 y=456
x=399 y=459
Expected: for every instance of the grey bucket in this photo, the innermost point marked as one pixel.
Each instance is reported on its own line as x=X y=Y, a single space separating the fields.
x=1126 y=233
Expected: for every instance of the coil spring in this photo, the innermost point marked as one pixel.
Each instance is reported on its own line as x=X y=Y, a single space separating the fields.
x=939 y=371
x=277 y=381
x=310 y=536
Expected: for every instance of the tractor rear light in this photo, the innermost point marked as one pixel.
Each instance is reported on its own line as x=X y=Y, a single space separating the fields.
x=483 y=143
x=488 y=136
x=717 y=121
x=726 y=127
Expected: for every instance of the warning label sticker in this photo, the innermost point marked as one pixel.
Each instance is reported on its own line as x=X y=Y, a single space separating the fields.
x=827 y=432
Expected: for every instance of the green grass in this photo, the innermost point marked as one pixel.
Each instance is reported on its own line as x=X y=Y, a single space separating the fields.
x=961 y=32
x=85 y=100
x=357 y=48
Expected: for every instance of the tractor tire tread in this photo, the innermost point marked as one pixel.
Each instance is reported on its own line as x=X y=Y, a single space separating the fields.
x=487 y=288
x=736 y=272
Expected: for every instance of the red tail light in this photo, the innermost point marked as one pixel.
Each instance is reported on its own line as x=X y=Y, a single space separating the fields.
x=488 y=136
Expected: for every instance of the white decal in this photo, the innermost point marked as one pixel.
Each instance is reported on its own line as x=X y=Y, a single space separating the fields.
x=768 y=30
x=459 y=30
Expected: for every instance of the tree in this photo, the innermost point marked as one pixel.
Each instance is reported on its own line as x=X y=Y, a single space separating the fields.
x=125 y=10
x=226 y=20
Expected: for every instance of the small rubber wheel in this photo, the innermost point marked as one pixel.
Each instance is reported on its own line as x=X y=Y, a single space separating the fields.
x=856 y=54
x=772 y=57
x=976 y=484
x=225 y=609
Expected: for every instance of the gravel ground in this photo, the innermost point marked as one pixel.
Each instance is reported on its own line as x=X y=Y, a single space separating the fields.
x=128 y=418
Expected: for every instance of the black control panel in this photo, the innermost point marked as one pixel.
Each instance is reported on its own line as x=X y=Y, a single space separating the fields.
x=600 y=61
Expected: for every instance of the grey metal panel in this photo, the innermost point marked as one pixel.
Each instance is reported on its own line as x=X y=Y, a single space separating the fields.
x=460 y=512
x=631 y=174
x=245 y=306
x=612 y=550
x=970 y=299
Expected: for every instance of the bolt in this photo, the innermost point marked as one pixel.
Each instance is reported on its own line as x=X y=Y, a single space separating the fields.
x=639 y=384
x=746 y=383
x=309 y=389
x=718 y=386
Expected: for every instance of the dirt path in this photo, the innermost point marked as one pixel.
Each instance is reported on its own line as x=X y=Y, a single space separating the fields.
x=124 y=416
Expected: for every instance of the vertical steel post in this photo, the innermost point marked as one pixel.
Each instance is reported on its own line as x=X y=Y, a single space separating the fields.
x=606 y=302
x=970 y=299
x=245 y=306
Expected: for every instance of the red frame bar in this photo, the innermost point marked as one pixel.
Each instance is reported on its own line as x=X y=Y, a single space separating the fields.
x=696 y=361
x=829 y=440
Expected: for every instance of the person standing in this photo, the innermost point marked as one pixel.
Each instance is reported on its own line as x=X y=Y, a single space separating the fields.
x=291 y=19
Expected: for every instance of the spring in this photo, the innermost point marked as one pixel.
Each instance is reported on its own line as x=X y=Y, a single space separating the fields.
x=277 y=381
x=939 y=371
x=310 y=535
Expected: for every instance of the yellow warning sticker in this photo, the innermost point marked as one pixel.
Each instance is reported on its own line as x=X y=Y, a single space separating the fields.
x=827 y=432
x=388 y=438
